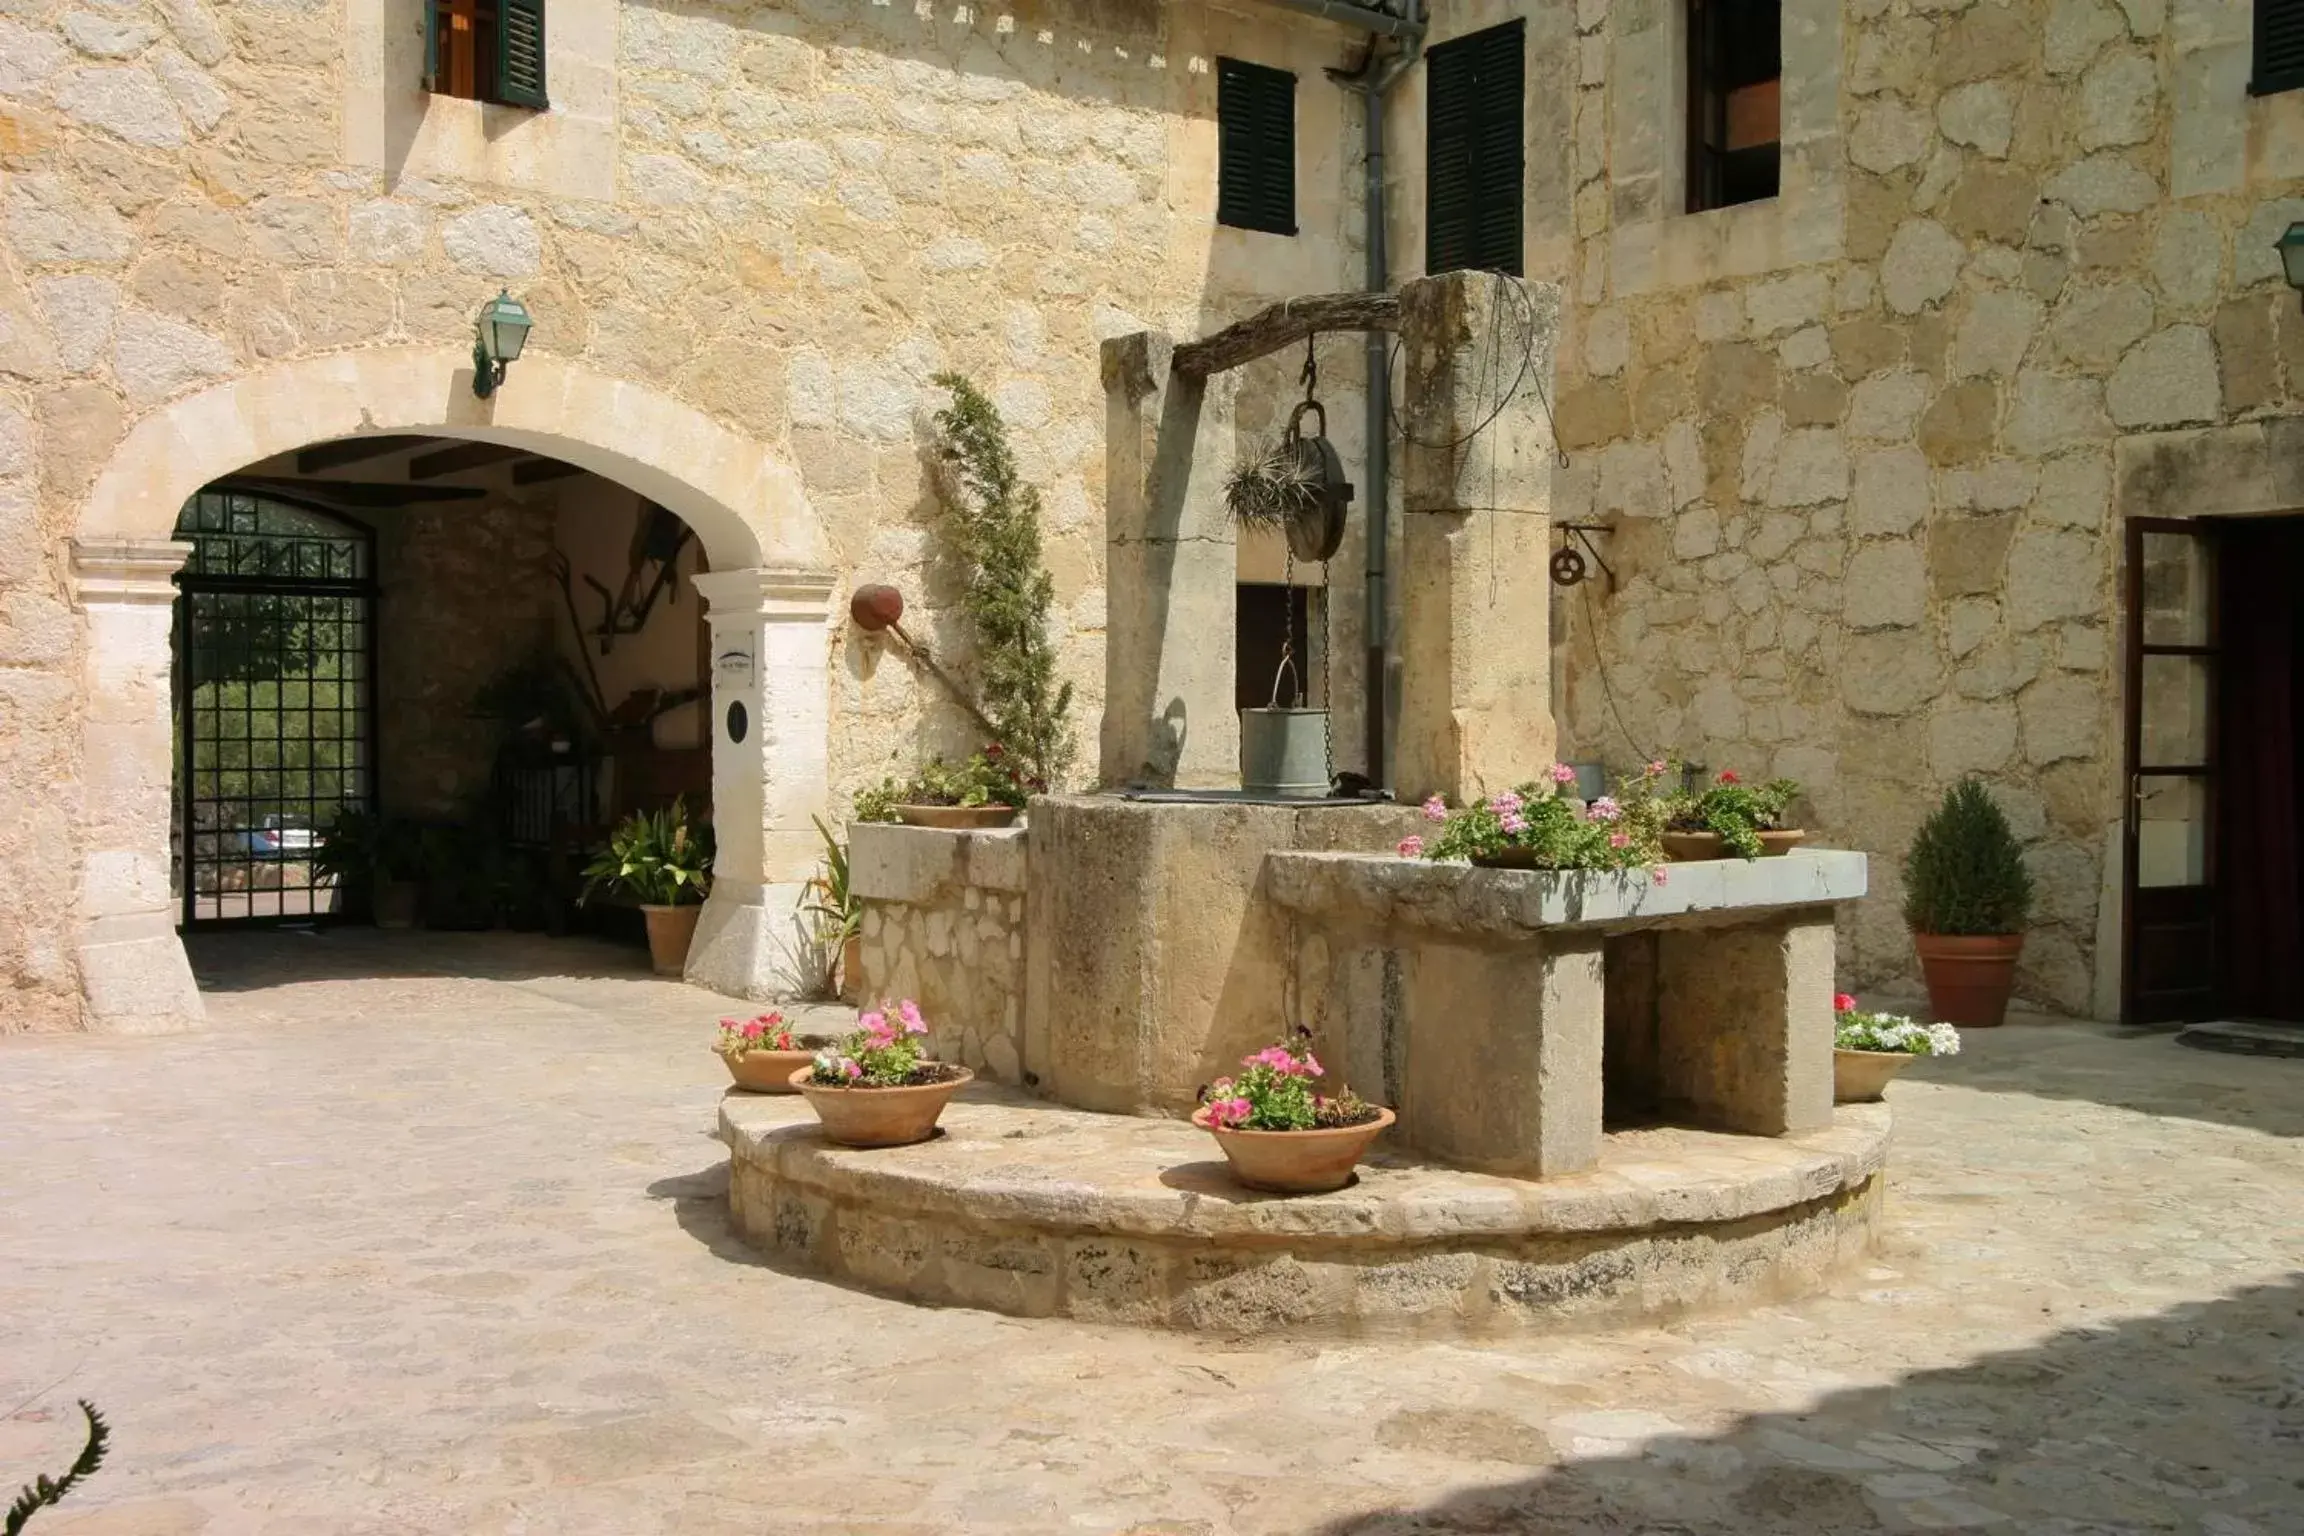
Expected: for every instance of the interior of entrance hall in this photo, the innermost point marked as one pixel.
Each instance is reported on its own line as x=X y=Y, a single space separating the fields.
x=470 y=657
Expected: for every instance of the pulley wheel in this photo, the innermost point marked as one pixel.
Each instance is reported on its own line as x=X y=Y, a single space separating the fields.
x=1567 y=567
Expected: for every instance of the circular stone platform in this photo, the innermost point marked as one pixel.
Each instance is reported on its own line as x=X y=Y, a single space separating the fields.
x=1024 y=1208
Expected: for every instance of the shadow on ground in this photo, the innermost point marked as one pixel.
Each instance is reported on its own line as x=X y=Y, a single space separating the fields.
x=253 y=959
x=2139 y=1069
x=2190 y=1420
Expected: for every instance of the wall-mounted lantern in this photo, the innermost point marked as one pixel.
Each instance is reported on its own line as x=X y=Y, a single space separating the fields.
x=498 y=335
x=2290 y=245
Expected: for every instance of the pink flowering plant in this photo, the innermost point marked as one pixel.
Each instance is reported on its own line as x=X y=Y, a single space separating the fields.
x=1544 y=819
x=886 y=1051
x=1273 y=1091
x=768 y=1032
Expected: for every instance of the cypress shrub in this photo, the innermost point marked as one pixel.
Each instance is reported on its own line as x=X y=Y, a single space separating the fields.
x=1965 y=873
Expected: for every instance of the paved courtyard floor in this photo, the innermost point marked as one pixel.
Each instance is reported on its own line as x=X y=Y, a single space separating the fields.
x=425 y=1235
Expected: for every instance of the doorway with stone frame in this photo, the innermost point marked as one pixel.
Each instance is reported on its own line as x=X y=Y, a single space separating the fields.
x=2213 y=846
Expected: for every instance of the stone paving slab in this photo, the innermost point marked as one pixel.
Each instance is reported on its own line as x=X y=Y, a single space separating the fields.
x=435 y=1256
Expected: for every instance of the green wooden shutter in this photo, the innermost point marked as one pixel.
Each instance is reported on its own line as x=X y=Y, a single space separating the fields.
x=1255 y=147
x=1474 y=159
x=432 y=45
x=2278 y=61
x=520 y=53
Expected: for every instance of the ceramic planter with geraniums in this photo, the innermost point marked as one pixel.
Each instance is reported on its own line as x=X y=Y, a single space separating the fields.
x=877 y=1087
x=1727 y=818
x=1280 y=1136
x=1869 y=1049
x=1966 y=897
x=1539 y=826
x=762 y=1054
x=987 y=791
x=664 y=862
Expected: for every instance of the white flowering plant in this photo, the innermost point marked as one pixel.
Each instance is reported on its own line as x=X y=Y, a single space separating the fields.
x=1855 y=1030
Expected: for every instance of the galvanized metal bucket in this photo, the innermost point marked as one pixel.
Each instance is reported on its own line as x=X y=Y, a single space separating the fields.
x=1284 y=752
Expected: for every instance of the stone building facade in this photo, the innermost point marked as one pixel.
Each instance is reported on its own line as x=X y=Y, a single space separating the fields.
x=1866 y=449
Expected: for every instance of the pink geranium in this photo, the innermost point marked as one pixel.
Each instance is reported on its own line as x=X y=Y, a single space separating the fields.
x=1843 y=1002
x=1603 y=809
x=1411 y=847
x=1435 y=809
x=1505 y=804
x=1563 y=774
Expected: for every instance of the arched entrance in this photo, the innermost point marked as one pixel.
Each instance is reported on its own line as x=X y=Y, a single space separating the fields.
x=767 y=594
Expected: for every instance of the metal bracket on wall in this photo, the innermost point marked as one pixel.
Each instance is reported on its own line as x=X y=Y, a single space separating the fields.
x=1568 y=563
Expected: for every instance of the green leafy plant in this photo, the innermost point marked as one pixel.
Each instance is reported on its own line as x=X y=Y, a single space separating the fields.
x=1965 y=872
x=1010 y=595
x=1273 y=1092
x=1270 y=487
x=44 y=1492
x=987 y=778
x=1550 y=831
x=835 y=911
x=658 y=858
x=1737 y=812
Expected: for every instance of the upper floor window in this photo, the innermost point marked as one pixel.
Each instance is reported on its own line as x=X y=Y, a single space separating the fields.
x=485 y=50
x=1735 y=117
x=1473 y=153
x=1255 y=147
x=2277 y=63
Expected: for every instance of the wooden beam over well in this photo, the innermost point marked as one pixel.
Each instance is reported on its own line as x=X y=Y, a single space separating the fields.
x=451 y=461
x=1287 y=321
x=537 y=471
x=351 y=450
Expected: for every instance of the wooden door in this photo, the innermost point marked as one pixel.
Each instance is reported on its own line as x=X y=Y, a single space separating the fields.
x=2169 y=956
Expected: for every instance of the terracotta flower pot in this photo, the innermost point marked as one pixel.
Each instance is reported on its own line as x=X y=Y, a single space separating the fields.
x=1296 y=1162
x=880 y=1117
x=766 y=1071
x=957 y=818
x=1695 y=847
x=1969 y=975
x=1860 y=1077
x=669 y=931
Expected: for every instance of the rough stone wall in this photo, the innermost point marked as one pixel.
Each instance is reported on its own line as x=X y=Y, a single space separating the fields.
x=785 y=215
x=1858 y=445
x=462 y=599
x=944 y=926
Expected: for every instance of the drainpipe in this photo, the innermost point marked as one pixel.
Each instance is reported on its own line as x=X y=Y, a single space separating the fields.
x=1372 y=80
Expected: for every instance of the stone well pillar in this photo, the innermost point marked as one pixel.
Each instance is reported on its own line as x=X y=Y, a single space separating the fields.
x=771 y=770
x=134 y=978
x=1475 y=590
x=1744 y=1024
x=1170 y=573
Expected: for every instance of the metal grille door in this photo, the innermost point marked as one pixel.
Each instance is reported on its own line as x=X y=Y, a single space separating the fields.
x=275 y=641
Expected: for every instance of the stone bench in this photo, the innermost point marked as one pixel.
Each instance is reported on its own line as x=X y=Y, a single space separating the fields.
x=1499 y=1011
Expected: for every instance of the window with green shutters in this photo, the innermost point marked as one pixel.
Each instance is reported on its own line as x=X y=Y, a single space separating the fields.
x=1255 y=147
x=485 y=50
x=2278 y=56
x=1473 y=154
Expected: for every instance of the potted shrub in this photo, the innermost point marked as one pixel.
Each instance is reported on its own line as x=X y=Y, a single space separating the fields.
x=985 y=791
x=762 y=1054
x=1280 y=1136
x=1966 y=895
x=877 y=1088
x=835 y=940
x=1869 y=1049
x=1537 y=826
x=661 y=861
x=373 y=860
x=1728 y=816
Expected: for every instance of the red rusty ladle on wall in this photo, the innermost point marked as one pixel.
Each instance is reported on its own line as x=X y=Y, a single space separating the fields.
x=877 y=609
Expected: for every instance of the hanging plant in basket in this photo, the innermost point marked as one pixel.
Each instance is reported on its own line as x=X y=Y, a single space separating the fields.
x=1295 y=486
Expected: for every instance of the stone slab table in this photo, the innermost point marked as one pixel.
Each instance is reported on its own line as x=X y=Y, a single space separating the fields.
x=1497 y=1011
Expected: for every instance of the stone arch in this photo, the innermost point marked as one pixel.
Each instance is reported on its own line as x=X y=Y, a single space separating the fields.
x=747 y=507
x=768 y=598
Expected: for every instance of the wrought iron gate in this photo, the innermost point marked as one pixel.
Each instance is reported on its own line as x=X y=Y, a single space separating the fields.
x=275 y=679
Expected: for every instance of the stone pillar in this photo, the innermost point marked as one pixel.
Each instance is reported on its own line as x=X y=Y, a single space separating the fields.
x=1744 y=1024
x=134 y=978
x=771 y=770
x=1170 y=573
x=1521 y=1097
x=1474 y=640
